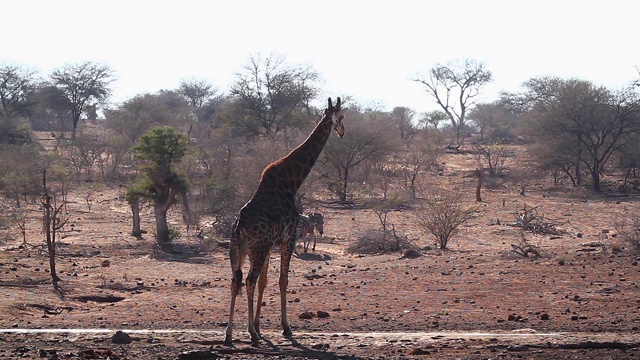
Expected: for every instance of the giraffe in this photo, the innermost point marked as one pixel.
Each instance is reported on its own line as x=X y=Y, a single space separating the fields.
x=270 y=218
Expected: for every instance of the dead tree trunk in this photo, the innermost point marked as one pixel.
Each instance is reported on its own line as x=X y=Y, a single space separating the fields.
x=478 y=174
x=52 y=221
x=135 y=211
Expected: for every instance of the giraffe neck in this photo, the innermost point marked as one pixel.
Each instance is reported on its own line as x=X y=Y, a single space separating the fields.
x=288 y=173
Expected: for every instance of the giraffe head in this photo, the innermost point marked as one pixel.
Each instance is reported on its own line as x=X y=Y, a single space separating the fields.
x=336 y=113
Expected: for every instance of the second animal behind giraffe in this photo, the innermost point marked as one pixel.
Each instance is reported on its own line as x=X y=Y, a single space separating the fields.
x=306 y=226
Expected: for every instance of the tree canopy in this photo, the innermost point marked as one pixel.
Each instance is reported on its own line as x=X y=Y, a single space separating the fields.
x=269 y=94
x=82 y=86
x=160 y=150
x=577 y=123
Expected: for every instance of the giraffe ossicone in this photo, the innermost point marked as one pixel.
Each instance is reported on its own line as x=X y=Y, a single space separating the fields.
x=270 y=218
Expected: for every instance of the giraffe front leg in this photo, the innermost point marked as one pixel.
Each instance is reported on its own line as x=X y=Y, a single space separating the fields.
x=285 y=260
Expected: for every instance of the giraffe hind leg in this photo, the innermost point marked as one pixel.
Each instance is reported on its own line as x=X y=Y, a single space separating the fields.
x=236 y=286
x=236 y=257
x=257 y=263
x=262 y=284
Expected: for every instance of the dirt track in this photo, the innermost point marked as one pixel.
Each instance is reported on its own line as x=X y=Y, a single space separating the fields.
x=180 y=344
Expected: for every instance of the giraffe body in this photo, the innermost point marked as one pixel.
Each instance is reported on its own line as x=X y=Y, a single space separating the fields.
x=270 y=218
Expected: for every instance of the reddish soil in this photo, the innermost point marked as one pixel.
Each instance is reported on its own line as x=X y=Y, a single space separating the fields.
x=477 y=300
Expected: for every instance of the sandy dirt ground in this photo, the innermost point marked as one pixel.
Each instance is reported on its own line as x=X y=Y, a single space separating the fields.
x=128 y=299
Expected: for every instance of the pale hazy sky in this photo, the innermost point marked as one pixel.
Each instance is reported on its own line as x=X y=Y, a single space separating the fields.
x=365 y=49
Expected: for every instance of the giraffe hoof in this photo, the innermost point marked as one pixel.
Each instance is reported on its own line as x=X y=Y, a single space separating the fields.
x=255 y=337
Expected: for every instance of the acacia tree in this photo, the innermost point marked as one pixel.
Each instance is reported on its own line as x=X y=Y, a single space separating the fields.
x=82 y=85
x=454 y=86
x=496 y=121
x=144 y=112
x=402 y=119
x=198 y=92
x=19 y=178
x=433 y=118
x=16 y=85
x=578 y=123
x=160 y=150
x=268 y=93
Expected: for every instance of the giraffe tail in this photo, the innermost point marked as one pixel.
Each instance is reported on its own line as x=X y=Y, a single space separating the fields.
x=236 y=257
x=236 y=282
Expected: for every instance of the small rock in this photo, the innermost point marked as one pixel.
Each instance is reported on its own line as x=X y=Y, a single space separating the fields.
x=419 y=351
x=322 y=314
x=306 y=315
x=544 y=316
x=198 y=354
x=411 y=254
x=121 y=337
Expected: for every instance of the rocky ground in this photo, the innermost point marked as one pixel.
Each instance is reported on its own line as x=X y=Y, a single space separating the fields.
x=478 y=300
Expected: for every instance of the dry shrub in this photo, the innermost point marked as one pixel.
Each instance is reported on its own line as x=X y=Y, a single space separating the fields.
x=615 y=245
x=628 y=229
x=441 y=214
x=373 y=242
x=386 y=239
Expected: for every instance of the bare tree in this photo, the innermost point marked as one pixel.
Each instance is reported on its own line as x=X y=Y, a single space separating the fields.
x=19 y=217
x=365 y=140
x=84 y=153
x=442 y=213
x=269 y=92
x=454 y=86
x=82 y=86
x=495 y=155
x=422 y=153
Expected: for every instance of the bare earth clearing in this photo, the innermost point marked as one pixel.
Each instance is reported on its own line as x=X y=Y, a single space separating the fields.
x=478 y=300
